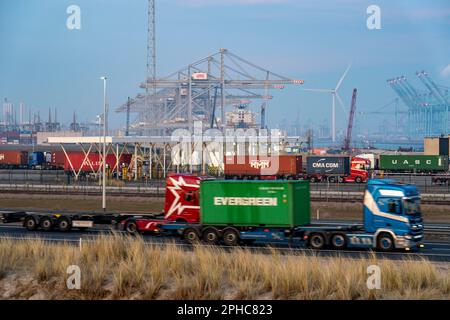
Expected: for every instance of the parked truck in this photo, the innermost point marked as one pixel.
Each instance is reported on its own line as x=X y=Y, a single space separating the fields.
x=337 y=169
x=318 y=168
x=234 y=212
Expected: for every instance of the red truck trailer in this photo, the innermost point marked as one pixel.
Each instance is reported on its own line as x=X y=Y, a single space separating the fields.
x=57 y=159
x=77 y=161
x=12 y=159
x=263 y=167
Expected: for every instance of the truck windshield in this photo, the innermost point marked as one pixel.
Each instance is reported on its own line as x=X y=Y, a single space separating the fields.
x=411 y=206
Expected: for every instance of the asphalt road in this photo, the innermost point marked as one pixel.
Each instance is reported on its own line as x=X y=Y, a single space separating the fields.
x=433 y=251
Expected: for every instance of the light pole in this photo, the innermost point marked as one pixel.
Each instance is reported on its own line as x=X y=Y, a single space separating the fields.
x=104 y=146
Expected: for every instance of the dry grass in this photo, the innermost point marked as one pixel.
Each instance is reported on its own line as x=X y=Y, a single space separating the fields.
x=125 y=268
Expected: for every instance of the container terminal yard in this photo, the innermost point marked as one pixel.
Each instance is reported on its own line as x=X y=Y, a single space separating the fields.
x=218 y=168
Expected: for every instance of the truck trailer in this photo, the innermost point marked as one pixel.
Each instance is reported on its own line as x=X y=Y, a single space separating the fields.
x=337 y=169
x=263 y=167
x=290 y=167
x=413 y=163
x=234 y=212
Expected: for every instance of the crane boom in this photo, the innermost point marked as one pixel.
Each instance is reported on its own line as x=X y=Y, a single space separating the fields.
x=348 y=137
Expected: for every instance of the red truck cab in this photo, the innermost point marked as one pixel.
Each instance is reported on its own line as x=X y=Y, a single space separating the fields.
x=182 y=205
x=359 y=170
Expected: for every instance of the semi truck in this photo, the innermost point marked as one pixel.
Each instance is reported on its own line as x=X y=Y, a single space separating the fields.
x=234 y=212
x=337 y=169
x=318 y=168
x=240 y=212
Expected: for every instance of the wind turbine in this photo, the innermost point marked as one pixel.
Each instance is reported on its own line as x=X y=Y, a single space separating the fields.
x=334 y=95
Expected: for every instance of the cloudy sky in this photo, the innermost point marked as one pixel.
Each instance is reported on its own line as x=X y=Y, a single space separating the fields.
x=44 y=64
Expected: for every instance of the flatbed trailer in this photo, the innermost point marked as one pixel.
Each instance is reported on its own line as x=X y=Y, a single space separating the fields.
x=66 y=221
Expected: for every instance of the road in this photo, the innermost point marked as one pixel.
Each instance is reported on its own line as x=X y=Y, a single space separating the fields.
x=437 y=251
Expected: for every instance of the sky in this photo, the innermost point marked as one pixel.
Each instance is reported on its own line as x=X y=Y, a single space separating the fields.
x=44 y=64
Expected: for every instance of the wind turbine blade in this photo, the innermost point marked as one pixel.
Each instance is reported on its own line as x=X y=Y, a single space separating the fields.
x=317 y=90
x=342 y=78
x=341 y=103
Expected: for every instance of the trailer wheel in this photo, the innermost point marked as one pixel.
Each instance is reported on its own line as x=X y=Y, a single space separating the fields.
x=338 y=241
x=332 y=179
x=131 y=227
x=64 y=224
x=30 y=223
x=316 y=241
x=341 y=179
x=211 y=236
x=385 y=242
x=191 y=235
x=231 y=237
x=46 y=224
x=313 y=179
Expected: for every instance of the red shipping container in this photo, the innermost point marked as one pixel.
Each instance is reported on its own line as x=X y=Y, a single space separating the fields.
x=93 y=161
x=13 y=158
x=282 y=165
x=58 y=159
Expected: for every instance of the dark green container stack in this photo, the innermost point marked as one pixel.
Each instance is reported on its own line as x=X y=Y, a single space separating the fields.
x=413 y=162
x=255 y=203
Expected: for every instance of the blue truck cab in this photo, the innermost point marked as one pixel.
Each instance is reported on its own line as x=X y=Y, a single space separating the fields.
x=391 y=220
x=392 y=214
x=36 y=160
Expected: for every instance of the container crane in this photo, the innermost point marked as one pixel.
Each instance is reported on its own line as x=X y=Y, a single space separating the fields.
x=348 y=137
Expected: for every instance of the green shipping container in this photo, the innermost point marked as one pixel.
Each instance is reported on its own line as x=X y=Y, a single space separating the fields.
x=255 y=203
x=413 y=162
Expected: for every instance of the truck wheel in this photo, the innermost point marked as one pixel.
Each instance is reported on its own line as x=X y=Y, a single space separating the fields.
x=64 y=224
x=317 y=241
x=385 y=242
x=211 y=236
x=338 y=241
x=30 y=224
x=131 y=227
x=46 y=224
x=358 y=179
x=191 y=235
x=231 y=237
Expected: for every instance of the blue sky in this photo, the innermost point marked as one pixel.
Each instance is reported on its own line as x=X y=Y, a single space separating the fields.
x=44 y=64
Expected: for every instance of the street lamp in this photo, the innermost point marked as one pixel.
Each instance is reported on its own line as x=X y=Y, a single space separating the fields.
x=104 y=145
